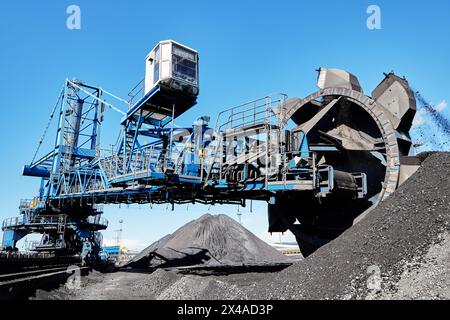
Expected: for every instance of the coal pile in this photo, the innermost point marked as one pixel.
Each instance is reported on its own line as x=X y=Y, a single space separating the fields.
x=370 y=259
x=403 y=246
x=211 y=240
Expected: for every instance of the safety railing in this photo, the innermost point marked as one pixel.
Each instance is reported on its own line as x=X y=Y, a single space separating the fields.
x=265 y=115
x=98 y=207
x=14 y=255
x=51 y=220
x=136 y=93
x=266 y=110
x=11 y=222
x=97 y=220
x=27 y=204
x=44 y=220
x=149 y=159
x=111 y=162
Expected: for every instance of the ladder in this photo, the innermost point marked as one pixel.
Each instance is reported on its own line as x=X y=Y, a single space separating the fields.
x=60 y=242
x=216 y=161
x=62 y=219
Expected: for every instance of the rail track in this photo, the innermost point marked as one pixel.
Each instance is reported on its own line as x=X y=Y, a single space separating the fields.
x=14 y=263
x=23 y=284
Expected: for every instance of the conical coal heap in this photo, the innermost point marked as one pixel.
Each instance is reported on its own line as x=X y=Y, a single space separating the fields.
x=209 y=240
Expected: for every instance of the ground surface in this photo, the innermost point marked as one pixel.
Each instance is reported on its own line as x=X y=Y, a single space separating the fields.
x=369 y=258
x=157 y=285
x=429 y=279
x=401 y=250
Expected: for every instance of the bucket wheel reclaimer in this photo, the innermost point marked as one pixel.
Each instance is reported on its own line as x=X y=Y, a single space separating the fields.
x=357 y=134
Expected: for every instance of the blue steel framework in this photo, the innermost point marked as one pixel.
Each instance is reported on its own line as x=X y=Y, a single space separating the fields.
x=70 y=168
x=227 y=165
x=249 y=155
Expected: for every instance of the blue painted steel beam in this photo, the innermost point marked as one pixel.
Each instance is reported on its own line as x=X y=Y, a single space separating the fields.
x=139 y=104
x=37 y=171
x=82 y=153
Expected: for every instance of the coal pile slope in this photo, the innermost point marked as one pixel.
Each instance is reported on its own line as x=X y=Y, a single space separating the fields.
x=425 y=278
x=210 y=240
x=369 y=259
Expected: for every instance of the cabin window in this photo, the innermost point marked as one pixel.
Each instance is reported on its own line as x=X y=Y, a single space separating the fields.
x=184 y=64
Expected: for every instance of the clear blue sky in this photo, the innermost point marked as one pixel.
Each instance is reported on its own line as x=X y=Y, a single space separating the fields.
x=247 y=49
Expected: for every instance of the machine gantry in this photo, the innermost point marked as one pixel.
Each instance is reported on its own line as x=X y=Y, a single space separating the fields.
x=319 y=162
